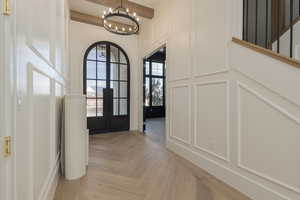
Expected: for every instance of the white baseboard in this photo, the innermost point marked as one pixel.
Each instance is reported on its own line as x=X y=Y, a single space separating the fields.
x=247 y=186
x=49 y=189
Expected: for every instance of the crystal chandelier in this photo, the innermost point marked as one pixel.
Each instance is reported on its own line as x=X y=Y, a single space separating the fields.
x=120 y=21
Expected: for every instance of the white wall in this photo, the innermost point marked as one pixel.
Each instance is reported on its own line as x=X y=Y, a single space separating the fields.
x=41 y=82
x=285 y=42
x=83 y=36
x=231 y=111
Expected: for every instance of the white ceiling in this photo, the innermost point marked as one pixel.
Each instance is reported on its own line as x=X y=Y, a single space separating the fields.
x=97 y=10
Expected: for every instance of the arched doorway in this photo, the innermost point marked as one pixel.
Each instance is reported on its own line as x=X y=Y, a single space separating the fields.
x=107 y=87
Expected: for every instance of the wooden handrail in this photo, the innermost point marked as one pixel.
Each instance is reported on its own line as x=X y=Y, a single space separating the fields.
x=267 y=52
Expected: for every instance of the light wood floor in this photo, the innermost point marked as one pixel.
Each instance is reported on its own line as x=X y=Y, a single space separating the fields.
x=129 y=166
x=155 y=130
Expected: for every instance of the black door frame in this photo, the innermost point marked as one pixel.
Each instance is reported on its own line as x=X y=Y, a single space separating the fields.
x=153 y=111
x=108 y=86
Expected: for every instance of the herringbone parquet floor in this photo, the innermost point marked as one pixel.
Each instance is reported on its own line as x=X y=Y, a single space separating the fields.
x=129 y=166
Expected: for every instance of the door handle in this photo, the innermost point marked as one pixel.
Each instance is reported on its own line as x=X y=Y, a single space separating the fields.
x=6 y=7
x=7 y=146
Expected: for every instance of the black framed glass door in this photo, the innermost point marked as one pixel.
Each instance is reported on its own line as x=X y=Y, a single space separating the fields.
x=107 y=86
x=154 y=88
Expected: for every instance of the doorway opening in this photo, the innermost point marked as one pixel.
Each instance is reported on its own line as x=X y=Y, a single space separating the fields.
x=155 y=95
x=107 y=88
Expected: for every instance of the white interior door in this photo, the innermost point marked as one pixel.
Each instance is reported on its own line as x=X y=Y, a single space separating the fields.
x=7 y=103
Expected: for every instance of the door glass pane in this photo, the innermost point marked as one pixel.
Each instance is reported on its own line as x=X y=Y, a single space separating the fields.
x=114 y=72
x=123 y=72
x=90 y=88
x=99 y=107
x=101 y=52
x=92 y=54
x=147 y=92
x=123 y=106
x=115 y=86
x=157 y=69
x=147 y=68
x=123 y=89
x=101 y=70
x=100 y=86
x=91 y=69
x=114 y=54
x=122 y=58
x=91 y=107
x=157 y=92
x=116 y=107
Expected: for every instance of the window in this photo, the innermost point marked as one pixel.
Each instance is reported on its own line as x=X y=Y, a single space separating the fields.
x=106 y=67
x=95 y=80
x=157 y=69
x=157 y=92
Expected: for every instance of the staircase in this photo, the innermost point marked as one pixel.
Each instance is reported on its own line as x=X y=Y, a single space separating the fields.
x=273 y=24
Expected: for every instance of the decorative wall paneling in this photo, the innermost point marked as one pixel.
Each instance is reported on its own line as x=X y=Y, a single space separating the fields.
x=42 y=78
x=232 y=111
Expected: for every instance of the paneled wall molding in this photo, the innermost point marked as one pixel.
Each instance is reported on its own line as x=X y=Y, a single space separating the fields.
x=38 y=63
x=46 y=47
x=179 y=79
x=187 y=141
x=236 y=18
x=51 y=183
x=155 y=47
x=212 y=73
x=248 y=186
x=240 y=72
x=202 y=59
x=42 y=64
x=179 y=46
x=263 y=99
x=214 y=154
x=37 y=53
x=160 y=41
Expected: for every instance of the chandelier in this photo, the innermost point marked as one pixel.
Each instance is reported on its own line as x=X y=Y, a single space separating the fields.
x=120 y=21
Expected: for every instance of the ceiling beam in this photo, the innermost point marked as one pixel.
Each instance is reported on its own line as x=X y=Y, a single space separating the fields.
x=140 y=10
x=94 y=20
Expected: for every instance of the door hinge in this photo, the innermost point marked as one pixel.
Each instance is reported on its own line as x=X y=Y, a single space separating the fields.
x=7 y=146
x=6 y=7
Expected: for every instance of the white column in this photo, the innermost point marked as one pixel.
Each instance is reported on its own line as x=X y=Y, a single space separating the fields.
x=75 y=136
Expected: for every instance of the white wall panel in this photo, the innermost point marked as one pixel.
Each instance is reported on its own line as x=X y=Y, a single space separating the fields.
x=282 y=77
x=211 y=130
x=262 y=157
x=40 y=35
x=41 y=82
x=268 y=139
x=209 y=37
x=41 y=127
x=179 y=56
x=161 y=21
x=180 y=15
x=180 y=116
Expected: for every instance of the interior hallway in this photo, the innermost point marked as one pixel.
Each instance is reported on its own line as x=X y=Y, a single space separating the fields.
x=155 y=130
x=129 y=166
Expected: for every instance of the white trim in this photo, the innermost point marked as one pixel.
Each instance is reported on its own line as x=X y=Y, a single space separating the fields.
x=212 y=73
x=156 y=46
x=49 y=188
x=189 y=140
x=242 y=183
x=274 y=106
x=195 y=85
